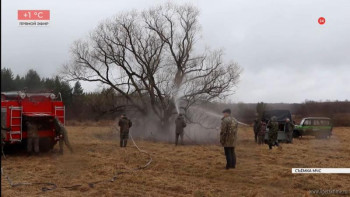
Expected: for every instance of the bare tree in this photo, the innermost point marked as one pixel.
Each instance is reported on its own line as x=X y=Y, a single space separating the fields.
x=148 y=57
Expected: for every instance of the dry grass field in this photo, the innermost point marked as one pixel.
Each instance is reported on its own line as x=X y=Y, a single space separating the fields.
x=190 y=170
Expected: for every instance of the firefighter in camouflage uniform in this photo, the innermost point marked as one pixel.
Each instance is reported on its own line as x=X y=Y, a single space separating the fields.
x=3 y=137
x=62 y=133
x=32 y=137
x=228 y=138
x=180 y=124
x=288 y=128
x=124 y=124
x=261 y=133
x=273 y=132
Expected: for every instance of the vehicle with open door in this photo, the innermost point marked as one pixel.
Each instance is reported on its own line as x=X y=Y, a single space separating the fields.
x=37 y=107
x=281 y=116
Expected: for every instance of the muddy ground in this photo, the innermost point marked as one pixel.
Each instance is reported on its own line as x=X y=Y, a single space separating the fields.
x=190 y=170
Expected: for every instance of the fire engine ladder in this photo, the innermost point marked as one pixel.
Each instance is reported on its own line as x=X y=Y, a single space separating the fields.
x=60 y=113
x=16 y=123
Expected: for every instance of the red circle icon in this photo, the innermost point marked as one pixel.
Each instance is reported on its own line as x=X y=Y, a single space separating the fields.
x=321 y=20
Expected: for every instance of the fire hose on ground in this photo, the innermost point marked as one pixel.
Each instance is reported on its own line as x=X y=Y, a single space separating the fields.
x=52 y=186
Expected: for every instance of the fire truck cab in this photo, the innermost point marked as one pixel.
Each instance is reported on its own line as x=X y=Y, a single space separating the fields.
x=40 y=108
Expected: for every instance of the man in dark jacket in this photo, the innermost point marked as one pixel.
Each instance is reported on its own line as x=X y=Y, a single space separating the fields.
x=256 y=128
x=179 y=130
x=228 y=138
x=124 y=124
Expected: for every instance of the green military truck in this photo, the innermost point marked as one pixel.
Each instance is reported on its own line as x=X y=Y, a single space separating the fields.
x=320 y=127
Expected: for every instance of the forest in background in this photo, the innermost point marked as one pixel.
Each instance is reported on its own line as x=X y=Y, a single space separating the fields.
x=107 y=104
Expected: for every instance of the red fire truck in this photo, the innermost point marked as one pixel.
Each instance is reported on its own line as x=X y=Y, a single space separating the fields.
x=40 y=108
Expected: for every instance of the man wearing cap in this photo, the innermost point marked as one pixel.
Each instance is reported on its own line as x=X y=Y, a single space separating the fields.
x=228 y=138
x=288 y=129
x=124 y=124
x=179 y=130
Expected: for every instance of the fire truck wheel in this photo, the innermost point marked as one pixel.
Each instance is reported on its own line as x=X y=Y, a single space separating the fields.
x=46 y=144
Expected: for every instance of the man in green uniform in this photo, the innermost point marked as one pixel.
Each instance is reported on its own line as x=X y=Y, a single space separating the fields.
x=179 y=130
x=62 y=133
x=32 y=138
x=273 y=132
x=288 y=129
x=124 y=124
x=228 y=138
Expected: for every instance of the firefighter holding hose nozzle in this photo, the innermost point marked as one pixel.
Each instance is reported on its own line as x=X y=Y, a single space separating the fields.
x=61 y=132
x=124 y=124
x=228 y=138
x=179 y=129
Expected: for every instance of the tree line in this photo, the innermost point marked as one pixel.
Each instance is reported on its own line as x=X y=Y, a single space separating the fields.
x=32 y=81
x=79 y=104
x=107 y=103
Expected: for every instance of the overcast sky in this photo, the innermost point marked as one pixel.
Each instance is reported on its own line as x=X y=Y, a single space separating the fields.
x=286 y=55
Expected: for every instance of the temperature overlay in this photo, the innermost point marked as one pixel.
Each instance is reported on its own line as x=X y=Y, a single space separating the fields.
x=33 y=14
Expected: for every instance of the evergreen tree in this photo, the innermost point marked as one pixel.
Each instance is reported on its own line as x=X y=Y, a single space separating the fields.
x=32 y=80
x=19 y=83
x=260 y=108
x=65 y=90
x=7 y=82
x=77 y=90
x=49 y=84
